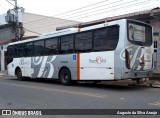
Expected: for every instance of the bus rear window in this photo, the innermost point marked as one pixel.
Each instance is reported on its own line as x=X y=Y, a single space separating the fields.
x=139 y=34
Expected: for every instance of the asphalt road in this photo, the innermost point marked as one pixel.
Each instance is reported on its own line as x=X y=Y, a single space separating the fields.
x=38 y=94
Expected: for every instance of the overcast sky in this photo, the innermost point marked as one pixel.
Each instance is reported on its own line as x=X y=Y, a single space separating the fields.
x=103 y=8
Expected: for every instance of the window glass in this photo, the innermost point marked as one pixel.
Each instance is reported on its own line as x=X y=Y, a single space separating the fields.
x=19 y=51
x=51 y=46
x=28 y=49
x=155 y=44
x=136 y=32
x=83 y=41
x=106 y=38
x=10 y=54
x=39 y=48
x=67 y=44
x=139 y=33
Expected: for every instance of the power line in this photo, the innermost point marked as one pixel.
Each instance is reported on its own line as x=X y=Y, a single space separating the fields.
x=41 y=28
x=121 y=12
x=69 y=11
x=32 y=31
x=55 y=23
x=122 y=6
x=10 y=3
x=106 y=8
x=82 y=7
x=92 y=8
x=78 y=17
x=49 y=26
x=88 y=13
x=112 y=9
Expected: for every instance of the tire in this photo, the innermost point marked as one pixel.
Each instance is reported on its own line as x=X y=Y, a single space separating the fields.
x=19 y=75
x=65 y=77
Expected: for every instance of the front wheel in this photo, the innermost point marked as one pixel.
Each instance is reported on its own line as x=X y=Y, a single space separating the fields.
x=19 y=74
x=65 y=77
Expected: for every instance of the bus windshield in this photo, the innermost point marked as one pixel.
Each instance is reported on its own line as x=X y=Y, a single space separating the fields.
x=139 y=34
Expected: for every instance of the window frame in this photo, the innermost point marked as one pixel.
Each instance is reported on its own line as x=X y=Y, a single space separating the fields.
x=32 y=53
x=73 y=45
x=43 y=50
x=9 y=56
x=102 y=29
x=56 y=49
x=139 y=42
x=83 y=51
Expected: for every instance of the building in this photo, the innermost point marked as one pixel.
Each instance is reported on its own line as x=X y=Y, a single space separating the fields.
x=33 y=26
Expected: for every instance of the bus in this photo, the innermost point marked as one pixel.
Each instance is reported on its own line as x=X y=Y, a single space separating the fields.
x=116 y=50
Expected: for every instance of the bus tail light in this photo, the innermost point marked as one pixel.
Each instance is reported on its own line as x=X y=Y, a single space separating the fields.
x=127 y=59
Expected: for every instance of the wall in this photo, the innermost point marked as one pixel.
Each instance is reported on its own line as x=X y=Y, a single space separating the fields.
x=7 y=33
x=156 y=28
x=3 y=49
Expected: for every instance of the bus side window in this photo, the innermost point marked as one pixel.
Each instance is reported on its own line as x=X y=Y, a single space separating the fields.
x=39 y=48
x=106 y=38
x=10 y=54
x=67 y=44
x=113 y=36
x=19 y=52
x=28 y=49
x=51 y=46
x=83 y=41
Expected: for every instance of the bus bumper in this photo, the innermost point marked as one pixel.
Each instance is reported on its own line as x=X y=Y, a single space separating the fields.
x=137 y=74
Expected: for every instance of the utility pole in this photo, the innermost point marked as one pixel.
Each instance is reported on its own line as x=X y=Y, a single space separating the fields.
x=14 y=18
x=17 y=22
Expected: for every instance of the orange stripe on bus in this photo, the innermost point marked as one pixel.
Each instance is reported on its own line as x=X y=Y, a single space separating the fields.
x=79 y=30
x=78 y=66
x=142 y=67
x=142 y=58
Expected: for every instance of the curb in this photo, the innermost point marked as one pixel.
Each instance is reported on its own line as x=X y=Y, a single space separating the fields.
x=2 y=75
x=155 y=83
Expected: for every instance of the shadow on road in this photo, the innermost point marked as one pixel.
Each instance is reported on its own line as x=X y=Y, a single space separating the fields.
x=109 y=86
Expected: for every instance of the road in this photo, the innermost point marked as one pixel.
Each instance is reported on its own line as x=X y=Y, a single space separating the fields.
x=38 y=94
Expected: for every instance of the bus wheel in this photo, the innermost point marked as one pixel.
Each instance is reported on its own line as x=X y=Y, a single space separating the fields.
x=19 y=74
x=65 y=77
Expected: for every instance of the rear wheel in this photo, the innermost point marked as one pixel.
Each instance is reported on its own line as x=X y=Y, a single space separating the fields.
x=65 y=77
x=19 y=74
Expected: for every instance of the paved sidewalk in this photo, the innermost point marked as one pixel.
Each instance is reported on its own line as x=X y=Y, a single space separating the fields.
x=3 y=73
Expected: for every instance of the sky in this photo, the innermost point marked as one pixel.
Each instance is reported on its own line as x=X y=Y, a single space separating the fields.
x=98 y=8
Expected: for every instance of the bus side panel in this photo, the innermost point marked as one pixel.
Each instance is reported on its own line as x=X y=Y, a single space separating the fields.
x=97 y=66
x=43 y=66
x=119 y=58
x=11 y=69
x=25 y=64
x=50 y=66
x=68 y=61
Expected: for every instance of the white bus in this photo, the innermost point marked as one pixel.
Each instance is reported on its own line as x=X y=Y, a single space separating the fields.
x=115 y=50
